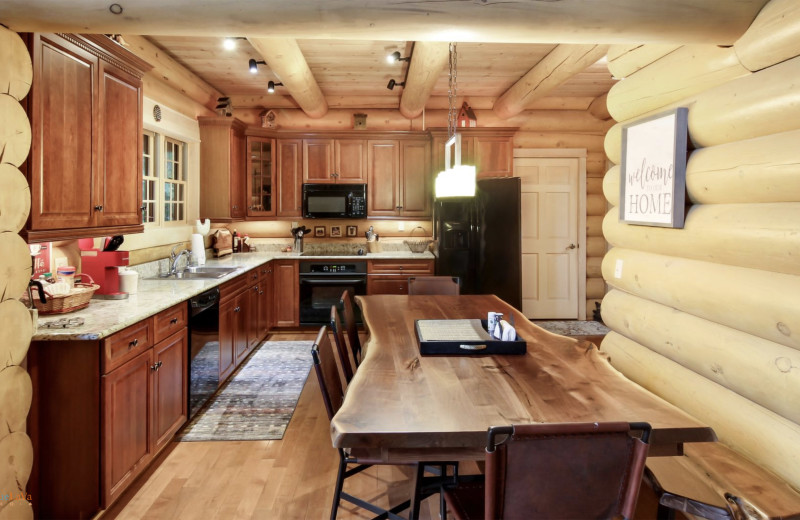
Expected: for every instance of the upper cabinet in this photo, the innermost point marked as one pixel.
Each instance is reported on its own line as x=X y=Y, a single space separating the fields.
x=289 y=157
x=222 y=167
x=85 y=167
x=334 y=161
x=260 y=176
x=491 y=150
x=399 y=179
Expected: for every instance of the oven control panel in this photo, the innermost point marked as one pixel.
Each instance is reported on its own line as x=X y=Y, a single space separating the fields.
x=333 y=267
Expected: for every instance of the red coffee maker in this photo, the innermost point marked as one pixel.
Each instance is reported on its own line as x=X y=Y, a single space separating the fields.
x=103 y=266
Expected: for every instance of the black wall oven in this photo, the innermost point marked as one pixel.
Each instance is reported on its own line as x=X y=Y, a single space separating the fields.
x=322 y=284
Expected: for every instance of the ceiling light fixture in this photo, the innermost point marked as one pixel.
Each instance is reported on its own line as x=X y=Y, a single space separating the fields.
x=271 y=86
x=395 y=57
x=393 y=83
x=254 y=65
x=230 y=43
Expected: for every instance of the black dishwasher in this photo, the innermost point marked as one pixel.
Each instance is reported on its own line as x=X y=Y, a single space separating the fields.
x=203 y=348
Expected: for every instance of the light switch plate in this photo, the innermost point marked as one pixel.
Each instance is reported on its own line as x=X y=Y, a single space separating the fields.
x=401 y=226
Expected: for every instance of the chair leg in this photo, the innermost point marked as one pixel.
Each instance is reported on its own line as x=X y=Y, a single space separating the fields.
x=337 y=493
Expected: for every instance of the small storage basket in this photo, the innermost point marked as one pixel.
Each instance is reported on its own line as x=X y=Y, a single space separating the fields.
x=78 y=298
x=417 y=246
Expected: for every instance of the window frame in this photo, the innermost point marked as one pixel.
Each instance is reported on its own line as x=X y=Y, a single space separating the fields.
x=159 y=162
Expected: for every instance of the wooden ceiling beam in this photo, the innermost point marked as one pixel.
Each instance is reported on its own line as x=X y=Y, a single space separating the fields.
x=427 y=63
x=558 y=66
x=286 y=60
x=172 y=73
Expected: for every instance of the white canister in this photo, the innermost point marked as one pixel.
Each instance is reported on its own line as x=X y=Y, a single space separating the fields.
x=128 y=281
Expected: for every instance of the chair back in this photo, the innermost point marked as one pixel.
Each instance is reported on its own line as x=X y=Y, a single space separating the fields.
x=350 y=326
x=579 y=470
x=327 y=373
x=434 y=285
x=348 y=365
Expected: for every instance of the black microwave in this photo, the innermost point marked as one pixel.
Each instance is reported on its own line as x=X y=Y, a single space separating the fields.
x=334 y=200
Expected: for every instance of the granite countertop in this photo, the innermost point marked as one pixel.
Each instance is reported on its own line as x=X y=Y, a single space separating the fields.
x=105 y=317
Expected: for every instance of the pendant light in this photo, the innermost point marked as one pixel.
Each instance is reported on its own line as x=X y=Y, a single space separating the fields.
x=456 y=180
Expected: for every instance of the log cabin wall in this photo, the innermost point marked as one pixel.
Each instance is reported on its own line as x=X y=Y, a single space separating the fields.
x=707 y=316
x=16 y=449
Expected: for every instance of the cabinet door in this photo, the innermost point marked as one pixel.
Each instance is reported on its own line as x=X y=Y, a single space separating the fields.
x=236 y=173
x=317 y=160
x=286 y=302
x=169 y=388
x=494 y=156
x=415 y=181
x=350 y=160
x=255 y=323
x=264 y=299
x=289 y=157
x=260 y=176
x=226 y=338
x=387 y=285
x=383 y=168
x=241 y=325
x=118 y=185
x=65 y=134
x=127 y=414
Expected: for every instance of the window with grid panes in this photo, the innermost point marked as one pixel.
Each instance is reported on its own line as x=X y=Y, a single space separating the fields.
x=149 y=178
x=174 y=181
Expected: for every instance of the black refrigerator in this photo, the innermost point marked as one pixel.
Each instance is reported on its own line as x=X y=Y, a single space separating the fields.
x=478 y=239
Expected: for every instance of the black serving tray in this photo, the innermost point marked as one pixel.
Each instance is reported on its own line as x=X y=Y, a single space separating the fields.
x=483 y=347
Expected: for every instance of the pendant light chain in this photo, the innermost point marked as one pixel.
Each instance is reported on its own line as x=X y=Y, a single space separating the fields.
x=452 y=91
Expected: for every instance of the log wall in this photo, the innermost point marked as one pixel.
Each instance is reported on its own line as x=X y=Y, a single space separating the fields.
x=16 y=449
x=707 y=316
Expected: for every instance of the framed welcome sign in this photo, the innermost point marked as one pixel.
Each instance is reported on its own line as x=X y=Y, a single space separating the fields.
x=653 y=183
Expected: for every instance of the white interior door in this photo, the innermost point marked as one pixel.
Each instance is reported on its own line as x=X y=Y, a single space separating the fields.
x=550 y=236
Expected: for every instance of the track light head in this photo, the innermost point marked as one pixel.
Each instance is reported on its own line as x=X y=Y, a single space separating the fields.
x=271 y=86
x=253 y=65
x=393 y=83
x=395 y=57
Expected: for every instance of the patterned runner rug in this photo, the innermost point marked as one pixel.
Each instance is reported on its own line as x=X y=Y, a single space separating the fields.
x=259 y=399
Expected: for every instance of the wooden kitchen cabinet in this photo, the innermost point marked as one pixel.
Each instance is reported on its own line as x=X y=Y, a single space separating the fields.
x=264 y=300
x=170 y=399
x=490 y=150
x=86 y=120
x=222 y=168
x=289 y=157
x=227 y=326
x=335 y=161
x=399 y=179
x=286 y=293
x=260 y=176
x=391 y=276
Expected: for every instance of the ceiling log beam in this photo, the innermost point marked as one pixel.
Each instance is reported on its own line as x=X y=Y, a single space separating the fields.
x=286 y=60
x=560 y=65
x=172 y=73
x=427 y=63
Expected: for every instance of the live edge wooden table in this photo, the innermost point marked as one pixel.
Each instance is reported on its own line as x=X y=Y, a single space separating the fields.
x=412 y=407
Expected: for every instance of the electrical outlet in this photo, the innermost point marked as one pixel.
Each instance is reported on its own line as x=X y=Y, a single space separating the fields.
x=401 y=226
x=294 y=225
x=61 y=261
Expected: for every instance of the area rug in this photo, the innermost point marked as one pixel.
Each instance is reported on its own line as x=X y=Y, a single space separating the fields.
x=259 y=399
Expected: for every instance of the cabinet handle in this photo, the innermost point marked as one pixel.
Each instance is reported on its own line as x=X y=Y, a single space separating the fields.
x=255 y=288
x=98 y=208
x=173 y=321
x=237 y=309
x=260 y=292
x=133 y=343
x=156 y=366
x=235 y=206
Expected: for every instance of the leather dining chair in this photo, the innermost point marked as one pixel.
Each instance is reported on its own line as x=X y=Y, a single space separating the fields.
x=434 y=285
x=347 y=361
x=350 y=326
x=574 y=470
x=325 y=366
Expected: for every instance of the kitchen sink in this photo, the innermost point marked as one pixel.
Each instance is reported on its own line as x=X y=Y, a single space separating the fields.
x=211 y=270
x=198 y=273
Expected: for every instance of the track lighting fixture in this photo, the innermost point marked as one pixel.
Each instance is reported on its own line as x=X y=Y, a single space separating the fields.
x=393 y=83
x=395 y=57
x=254 y=65
x=230 y=43
x=271 y=86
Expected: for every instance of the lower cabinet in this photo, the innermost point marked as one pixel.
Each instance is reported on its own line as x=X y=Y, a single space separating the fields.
x=286 y=291
x=391 y=276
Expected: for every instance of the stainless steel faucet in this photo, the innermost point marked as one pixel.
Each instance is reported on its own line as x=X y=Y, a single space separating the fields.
x=175 y=259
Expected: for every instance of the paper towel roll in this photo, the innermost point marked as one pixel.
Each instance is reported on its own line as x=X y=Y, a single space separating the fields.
x=199 y=248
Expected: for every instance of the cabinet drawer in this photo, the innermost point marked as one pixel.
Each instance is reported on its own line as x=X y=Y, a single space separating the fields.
x=387 y=285
x=127 y=344
x=169 y=321
x=235 y=286
x=411 y=267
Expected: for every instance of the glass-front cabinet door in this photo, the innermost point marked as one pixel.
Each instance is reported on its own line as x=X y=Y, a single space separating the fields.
x=260 y=176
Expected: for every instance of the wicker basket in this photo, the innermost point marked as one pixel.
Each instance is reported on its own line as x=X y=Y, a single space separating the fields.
x=417 y=246
x=77 y=299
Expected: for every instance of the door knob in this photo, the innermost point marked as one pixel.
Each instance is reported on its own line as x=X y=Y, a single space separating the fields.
x=572 y=246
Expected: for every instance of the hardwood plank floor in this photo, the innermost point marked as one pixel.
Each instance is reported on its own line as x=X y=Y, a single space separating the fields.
x=292 y=478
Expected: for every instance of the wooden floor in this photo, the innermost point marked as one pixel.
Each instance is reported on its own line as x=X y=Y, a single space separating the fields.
x=292 y=478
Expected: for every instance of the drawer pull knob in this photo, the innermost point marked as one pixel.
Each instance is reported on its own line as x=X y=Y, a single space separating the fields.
x=133 y=343
x=98 y=208
x=173 y=321
x=237 y=309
